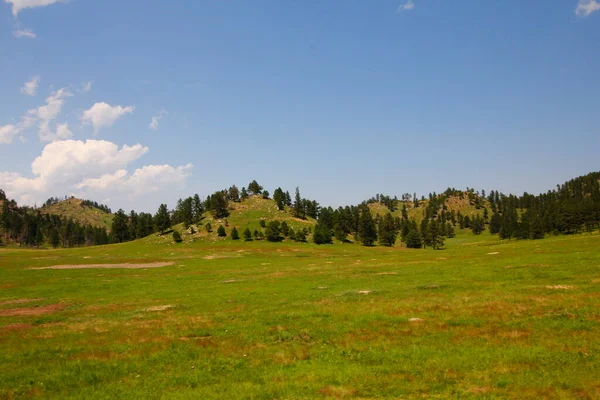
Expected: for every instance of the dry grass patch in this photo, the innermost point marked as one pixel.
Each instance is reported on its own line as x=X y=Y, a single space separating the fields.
x=103 y=266
x=18 y=301
x=49 y=309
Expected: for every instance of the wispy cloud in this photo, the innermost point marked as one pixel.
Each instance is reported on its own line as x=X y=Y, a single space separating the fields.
x=86 y=87
x=30 y=87
x=586 y=7
x=156 y=119
x=24 y=33
x=408 y=6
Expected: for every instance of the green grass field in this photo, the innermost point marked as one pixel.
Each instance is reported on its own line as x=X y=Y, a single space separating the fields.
x=256 y=320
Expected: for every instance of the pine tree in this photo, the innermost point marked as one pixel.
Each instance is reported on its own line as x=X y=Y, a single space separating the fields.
x=495 y=223
x=299 y=208
x=413 y=240
x=279 y=198
x=254 y=188
x=119 y=229
x=322 y=234
x=247 y=235
x=387 y=231
x=208 y=227
x=285 y=229
x=273 y=232
x=221 y=231
x=198 y=208
x=162 y=219
x=234 y=234
x=367 y=231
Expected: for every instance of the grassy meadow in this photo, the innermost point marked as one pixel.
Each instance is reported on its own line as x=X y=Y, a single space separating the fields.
x=258 y=320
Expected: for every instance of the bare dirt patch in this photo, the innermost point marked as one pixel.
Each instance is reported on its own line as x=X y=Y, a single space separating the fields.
x=18 y=301
x=560 y=287
x=117 y=266
x=49 y=309
x=386 y=273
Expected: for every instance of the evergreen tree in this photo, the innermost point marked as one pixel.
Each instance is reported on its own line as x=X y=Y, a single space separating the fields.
x=234 y=194
x=413 y=240
x=221 y=231
x=120 y=229
x=495 y=222
x=322 y=234
x=54 y=238
x=197 y=208
x=273 y=232
x=244 y=194
x=162 y=219
x=208 y=227
x=279 y=198
x=285 y=229
x=367 y=231
x=234 y=234
x=218 y=205
x=387 y=231
x=254 y=188
x=247 y=235
x=177 y=237
x=299 y=208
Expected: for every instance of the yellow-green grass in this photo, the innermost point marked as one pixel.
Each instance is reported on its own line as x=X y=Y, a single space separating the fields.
x=71 y=208
x=242 y=215
x=453 y=203
x=258 y=320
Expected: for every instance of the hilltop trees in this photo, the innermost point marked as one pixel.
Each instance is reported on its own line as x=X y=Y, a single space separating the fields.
x=299 y=210
x=217 y=204
x=279 y=198
x=254 y=188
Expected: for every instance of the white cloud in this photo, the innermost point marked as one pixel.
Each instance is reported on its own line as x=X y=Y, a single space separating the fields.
x=408 y=6
x=31 y=86
x=24 y=33
x=156 y=119
x=93 y=169
x=46 y=114
x=103 y=115
x=148 y=179
x=62 y=133
x=586 y=7
x=18 y=5
x=8 y=133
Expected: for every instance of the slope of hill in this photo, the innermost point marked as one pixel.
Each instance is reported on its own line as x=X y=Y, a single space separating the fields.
x=245 y=214
x=453 y=203
x=73 y=208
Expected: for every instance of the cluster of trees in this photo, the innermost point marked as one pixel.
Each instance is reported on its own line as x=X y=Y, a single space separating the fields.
x=570 y=208
x=29 y=227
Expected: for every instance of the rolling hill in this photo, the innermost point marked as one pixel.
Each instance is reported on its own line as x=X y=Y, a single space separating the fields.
x=78 y=211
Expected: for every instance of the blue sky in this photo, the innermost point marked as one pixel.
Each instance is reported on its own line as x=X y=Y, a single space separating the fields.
x=342 y=98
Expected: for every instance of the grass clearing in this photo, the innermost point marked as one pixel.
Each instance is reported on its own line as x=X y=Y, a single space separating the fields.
x=261 y=320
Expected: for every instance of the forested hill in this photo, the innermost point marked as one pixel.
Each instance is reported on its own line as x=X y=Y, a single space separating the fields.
x=416 y=221
x=85 y=212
